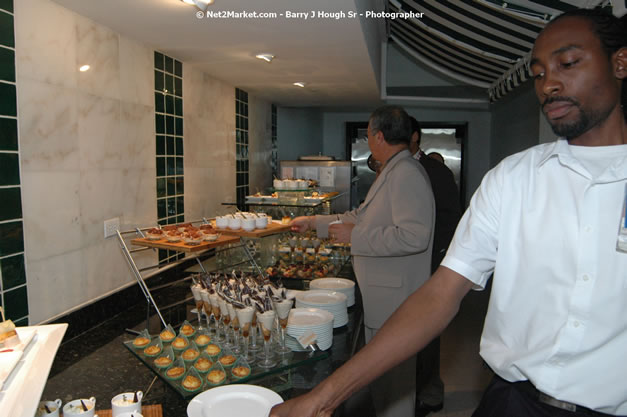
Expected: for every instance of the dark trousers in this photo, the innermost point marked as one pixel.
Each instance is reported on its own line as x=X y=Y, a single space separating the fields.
x=507 y=399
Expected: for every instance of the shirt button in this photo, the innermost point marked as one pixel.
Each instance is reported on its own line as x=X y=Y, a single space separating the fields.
x=585 y=277
x=576 y=323
x=587 y=229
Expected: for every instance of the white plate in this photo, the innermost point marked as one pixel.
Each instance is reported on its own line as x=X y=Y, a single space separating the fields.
x=308 y=317
x=331 y=283
x=237 y=400
x=321 y=297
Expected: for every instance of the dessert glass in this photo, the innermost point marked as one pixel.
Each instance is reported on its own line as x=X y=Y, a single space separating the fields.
x=235 y=326
x=266 y=321
x=245 y=317
x=254 y=347
x=226 y=319
x=206 y=303
x=196 y=291
x=282 y=309
x=215 y=310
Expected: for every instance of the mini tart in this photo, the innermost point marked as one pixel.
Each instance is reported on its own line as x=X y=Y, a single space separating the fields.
x=227 y=360
x=213 y=350
x=191 y=383
x=166 y=336
x=141 y=341
x=240 y=371
x=187 y=330
x=153 y=350
x=202 y=340
x=175 y=372
x=203 y=364
x=216 y=377
x=180 y=343
x=163 y=362
x=190 y=354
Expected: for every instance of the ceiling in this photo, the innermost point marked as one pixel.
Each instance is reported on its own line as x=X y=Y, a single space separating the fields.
x=330 y=55
x=482 y=45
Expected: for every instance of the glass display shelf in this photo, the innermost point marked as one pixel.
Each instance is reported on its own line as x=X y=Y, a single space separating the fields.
x=276 y=378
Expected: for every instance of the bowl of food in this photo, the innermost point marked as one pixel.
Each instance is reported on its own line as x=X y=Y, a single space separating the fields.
x=155 y=234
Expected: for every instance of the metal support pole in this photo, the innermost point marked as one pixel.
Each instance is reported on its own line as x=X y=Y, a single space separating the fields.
x=140 y=280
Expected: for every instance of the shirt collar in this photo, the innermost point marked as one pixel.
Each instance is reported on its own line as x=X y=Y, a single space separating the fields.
x=560 y=149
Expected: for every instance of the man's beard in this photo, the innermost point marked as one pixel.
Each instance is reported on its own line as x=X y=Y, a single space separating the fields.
x=586 y=120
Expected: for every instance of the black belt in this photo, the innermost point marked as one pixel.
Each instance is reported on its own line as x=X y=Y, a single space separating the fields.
x=528 y=388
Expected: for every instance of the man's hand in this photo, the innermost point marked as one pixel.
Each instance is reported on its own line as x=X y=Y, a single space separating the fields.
x=300 y=224
x=303 y=406
x=341 y=232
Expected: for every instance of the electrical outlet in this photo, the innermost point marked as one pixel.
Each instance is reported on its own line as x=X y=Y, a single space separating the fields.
x=111 y=226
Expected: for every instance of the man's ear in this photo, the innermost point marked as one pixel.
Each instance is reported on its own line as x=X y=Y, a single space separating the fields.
x=619 y=59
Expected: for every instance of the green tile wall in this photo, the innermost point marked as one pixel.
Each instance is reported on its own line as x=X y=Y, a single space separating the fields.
x=169 y=144
x=13 y=294
x=275 y=148
x=241 y=147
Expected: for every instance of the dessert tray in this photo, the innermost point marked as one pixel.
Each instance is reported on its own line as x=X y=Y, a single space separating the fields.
x=234 y=401
x=271 y=229
x=181 y=246
x=257 y=373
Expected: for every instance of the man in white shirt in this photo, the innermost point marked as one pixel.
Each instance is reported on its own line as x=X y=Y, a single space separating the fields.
x=545 y=223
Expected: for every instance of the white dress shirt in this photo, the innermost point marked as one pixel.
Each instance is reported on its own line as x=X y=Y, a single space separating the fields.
x=557 y=314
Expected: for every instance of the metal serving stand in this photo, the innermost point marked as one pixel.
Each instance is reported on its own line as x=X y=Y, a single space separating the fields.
x=139 y=243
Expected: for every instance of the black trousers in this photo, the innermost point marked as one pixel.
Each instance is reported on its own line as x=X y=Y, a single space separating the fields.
x=507 y=399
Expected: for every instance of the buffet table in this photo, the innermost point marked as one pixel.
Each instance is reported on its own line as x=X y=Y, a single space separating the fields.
x=22 y=389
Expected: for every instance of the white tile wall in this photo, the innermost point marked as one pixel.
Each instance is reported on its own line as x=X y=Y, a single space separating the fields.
x=87 y=143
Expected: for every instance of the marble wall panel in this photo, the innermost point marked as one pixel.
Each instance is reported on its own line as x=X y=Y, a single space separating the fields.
x=45 y=39
x=137 y=133
x=98 y=47
x=136 y=74
x=48 y=126
x=58 y=275
x=99 y=132
x=52 y=216
x=260 y=144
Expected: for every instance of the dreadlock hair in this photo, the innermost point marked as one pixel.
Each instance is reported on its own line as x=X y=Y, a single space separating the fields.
x=611 y=31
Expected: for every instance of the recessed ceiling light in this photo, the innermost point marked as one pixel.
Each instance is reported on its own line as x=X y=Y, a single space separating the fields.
x=84 y=68
x=300 y=84
x=265 y=57
x=189 y=2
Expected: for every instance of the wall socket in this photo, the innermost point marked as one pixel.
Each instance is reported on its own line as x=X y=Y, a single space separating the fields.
x=111 y=226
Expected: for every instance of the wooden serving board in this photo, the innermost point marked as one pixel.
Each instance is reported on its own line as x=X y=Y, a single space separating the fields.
x=271 y=229
x=184 y=247
x=147 y=411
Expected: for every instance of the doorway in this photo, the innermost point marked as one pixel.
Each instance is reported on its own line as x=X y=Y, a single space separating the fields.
x=445 y=138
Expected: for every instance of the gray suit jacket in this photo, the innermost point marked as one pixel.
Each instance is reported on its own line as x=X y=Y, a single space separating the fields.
x=392 y=240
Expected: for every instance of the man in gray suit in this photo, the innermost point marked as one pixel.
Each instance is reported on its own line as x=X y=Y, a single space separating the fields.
x=391 y=236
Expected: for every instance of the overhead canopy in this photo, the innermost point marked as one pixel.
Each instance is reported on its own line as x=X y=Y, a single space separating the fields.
x=485 y=43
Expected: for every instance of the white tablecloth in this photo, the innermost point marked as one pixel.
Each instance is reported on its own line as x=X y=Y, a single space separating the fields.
x=21 y=391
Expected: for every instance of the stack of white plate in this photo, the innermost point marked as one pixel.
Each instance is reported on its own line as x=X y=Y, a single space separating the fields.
x=303 y=320
x=332 y=301
x=345 y=286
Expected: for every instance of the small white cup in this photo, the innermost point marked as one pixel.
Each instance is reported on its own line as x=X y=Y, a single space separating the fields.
x=235 y=223
x=261 y=222
x=278 y=184
x=248 y=224
x=122 y=403
x=130 y=414
x=222 y=222
x=53 y=406
x=74 y=408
